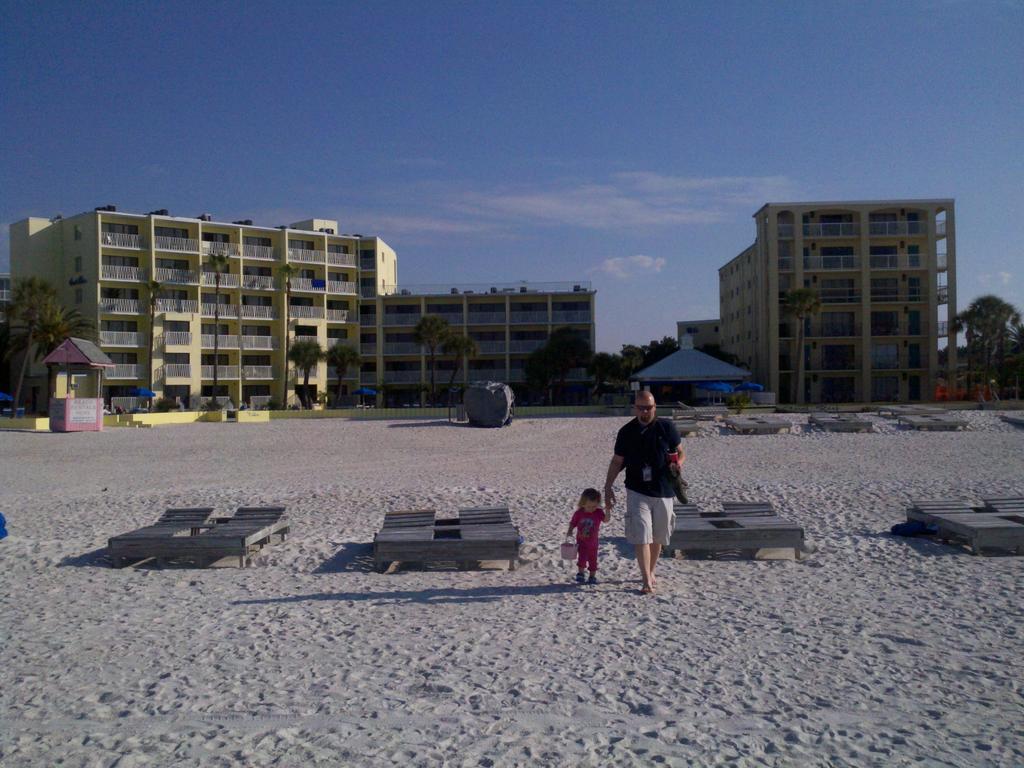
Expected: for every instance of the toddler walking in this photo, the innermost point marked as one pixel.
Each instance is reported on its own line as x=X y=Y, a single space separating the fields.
x=587 y=521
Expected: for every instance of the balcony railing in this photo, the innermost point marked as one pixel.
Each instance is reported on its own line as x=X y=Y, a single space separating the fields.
x=785 y=263
x=177 y=276
x=941 y=262
x=452 y=318
x=335 y=342
x=251 y=372
x=304 y=256
x=337 y=315
x=227 y=280
x=885 y=330
x=785 y=231
x=486 y=318
x=177 y=244
x=885 y=294
x=569 y=316
x=940 y=228
x=838 y=330
x=519 y=346
x=402 y=377
x=211 y=248
x=368 y=349
x=341 y=286
x=306 y=312
x=840 y=295
x=258 y=252
x=837 y=364
x=119 y=338
x=181 y=306
x=177 y=371
x=370 y=319
x=308 y=284
x=897 y=228
x=886 y=363
x=123 y=371
x=258 y=342
x=832 y=229
x=223 y=371
x=257 y=312
x=223 y=311
x=942 y=296
x=121 y=306
x=332 y=373
x=121 y=240
x=491 y=347
x=410 y=318
x=131 y=274
x=402 y=348
x=341 y=259
x=258 y=282
x=177 y=339
x=367 y=291
x=831 y=262
x=127 y=404
x=478 y=373
x=943 y=328
x=224 y=341
x=528 y=317
x=370 y=264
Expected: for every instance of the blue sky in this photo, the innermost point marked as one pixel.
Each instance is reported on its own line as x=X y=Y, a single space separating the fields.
x=627 y=144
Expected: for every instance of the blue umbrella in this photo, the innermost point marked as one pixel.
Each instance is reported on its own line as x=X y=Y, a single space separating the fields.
x=715 y=386
x=5 y=398
x=749 y=386
x=143 y=392
x=365 y=391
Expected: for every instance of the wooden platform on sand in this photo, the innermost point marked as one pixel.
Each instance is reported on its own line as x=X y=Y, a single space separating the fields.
x=981 y=528
x=747 y=527
x=419 y=536
x=933 y=423
x=1017 y=421
x=840 y=422
x=757 y=425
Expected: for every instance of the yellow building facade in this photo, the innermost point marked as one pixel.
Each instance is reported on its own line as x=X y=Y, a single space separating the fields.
x=884 y=272
x=172 y=324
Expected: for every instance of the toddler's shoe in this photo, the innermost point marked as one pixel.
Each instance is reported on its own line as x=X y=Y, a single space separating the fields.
x=579 y=578
x=592 y=579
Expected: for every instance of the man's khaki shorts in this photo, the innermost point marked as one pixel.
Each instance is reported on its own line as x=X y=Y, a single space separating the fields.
x=649 y=519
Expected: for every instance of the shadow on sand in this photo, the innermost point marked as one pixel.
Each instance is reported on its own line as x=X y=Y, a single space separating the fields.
x=426 y=423
x=96 y=558
x=433 y=596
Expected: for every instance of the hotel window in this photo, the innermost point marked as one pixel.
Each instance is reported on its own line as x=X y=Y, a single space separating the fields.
x=172 y=232
x=913 y=256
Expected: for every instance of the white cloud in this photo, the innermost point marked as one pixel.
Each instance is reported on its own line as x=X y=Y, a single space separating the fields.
x=1005 y=278
x=632 y=199
x=623 y=267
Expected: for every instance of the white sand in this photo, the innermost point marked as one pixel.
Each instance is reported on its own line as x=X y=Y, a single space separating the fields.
x=873 y=651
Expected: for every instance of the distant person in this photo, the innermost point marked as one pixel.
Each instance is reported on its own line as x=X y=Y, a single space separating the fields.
x=586 y=521
x=644 y=448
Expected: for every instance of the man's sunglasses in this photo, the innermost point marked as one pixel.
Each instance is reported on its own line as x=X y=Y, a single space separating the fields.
x=644 y=407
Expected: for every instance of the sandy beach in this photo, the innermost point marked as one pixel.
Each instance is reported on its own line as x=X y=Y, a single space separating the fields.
x=872 y=650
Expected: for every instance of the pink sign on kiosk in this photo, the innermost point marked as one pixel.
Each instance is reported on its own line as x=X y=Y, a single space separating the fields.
x=78 y=414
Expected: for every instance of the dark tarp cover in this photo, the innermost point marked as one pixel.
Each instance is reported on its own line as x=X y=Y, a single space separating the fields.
x=488 y=403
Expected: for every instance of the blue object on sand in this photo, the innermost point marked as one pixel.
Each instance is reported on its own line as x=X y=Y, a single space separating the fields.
x=3 y=526
x=913 y=528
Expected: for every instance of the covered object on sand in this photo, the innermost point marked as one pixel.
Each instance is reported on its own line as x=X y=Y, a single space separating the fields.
x=488 y=404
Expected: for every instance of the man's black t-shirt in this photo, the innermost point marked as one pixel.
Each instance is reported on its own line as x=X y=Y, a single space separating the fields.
x=644 y=446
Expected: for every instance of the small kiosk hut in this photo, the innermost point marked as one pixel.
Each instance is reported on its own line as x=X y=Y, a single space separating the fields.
x=76 y=402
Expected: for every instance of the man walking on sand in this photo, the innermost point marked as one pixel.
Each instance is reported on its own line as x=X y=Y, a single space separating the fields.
x=643 y=447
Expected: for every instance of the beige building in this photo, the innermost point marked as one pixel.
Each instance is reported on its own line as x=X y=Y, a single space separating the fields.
x=701 y=332
x=343 y=290
x=884 y=272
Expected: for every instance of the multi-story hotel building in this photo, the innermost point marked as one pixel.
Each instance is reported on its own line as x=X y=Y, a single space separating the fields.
x=701 y=332
x=884 y=272
x=343 y=290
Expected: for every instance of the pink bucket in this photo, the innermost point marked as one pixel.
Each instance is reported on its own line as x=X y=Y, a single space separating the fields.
x=569 y=550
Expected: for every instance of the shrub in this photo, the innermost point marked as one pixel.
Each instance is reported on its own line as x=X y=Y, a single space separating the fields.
x=738 y=401
x=165 y=405
x=273 y=405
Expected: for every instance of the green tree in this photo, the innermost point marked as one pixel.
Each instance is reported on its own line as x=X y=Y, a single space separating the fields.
x=153 y=288
x=658 y=350
x=606 y=368
x=29 y=298
x=988 y=324
x=305 y=355
x=342 y=357
x=540 y=371
x=57 y=323
x=799 y=303
x=431 y=331
x=219 y=264
x=287 y=272
x=632 y=359
x=566 y=349
x=460 y=347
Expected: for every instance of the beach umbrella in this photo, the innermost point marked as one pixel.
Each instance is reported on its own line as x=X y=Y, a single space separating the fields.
x=365 y=391
x=749 y=386
x=715 y=386
x=5 y=398
x=143 y=392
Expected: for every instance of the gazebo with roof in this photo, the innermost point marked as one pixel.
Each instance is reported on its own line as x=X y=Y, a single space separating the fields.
x=678 y=376
x=76 y=404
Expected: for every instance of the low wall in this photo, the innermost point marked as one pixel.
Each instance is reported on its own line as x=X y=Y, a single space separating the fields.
x=37 y=423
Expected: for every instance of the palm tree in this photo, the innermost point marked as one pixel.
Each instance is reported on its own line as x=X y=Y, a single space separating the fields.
x=342 y=357
x=305 y=355
x=605 y=367
x=28 y=299
x=153 y=287
x=431 y=331
x=632 y=359
x=799 y=303
x=459 y=346
x=988 y=324
x=57 y=323
x=287 y=272
x=218 y=263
